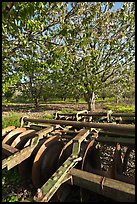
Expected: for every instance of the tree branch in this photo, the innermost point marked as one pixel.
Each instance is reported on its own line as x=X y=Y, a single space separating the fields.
x=8 y=7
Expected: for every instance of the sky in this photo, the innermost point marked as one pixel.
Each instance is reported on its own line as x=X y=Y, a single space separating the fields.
x=117 y=6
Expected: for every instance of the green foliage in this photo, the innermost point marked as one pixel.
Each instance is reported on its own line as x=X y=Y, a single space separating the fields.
x=8 y=94
x=10 y=198
x=11 y=177
x=106 y=100
x=13 y=118
x=121 y=108
x=48 y=116
x=48 y=51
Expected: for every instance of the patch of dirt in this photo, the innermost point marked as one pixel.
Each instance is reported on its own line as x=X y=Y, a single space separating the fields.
x=44 y=109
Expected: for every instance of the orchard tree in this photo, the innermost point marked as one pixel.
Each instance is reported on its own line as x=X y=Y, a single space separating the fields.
x=29 y=27
x=103 y=40
x=35 y=78
x=94 y=41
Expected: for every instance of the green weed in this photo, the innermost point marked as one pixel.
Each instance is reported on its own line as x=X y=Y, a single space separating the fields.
x=120 y=108
x=12 y=119
x=11 y=177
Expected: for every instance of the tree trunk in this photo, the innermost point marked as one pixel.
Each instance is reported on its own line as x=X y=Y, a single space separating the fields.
x=36 y=102
x=90 y=98
x=77 y=99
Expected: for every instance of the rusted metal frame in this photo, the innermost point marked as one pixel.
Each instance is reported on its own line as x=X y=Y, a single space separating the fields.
x=59 y=177
x=37 y=126
x=114 y=189
x=100 y=114
x=8 y=150
x=17 y=158
x=78 y=116
x=121 y=140
x=7 y=130
x=113 y=114
x=43 y=132
x=115 y=134
x=74 y=115
x=109 y=127
x=77 y=141
x=21 y=155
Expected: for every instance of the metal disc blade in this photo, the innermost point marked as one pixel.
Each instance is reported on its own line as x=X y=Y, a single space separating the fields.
x=22 y=138
x=12 y=135
x=90 y=163
x=65 y=153
x=45 y=162
x=7 y=130
x=25 y=167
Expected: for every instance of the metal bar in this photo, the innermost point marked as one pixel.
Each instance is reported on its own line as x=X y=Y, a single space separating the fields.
x=77 y=141
x=46 y=130
x=17 y=158
x=8 y=150
x=123 y=141
x=99 y=114
x=81 y=135
x=114 y=189
x=116 y=134
x=59 y=177
x=107 y=126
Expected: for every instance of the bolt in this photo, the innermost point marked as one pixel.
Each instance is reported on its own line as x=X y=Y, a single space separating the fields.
x=55 y=178
x=60 y=172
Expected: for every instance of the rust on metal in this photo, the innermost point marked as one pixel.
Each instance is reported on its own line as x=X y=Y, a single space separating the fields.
x=22 y=138
x=61 y=175
x=99 y=114
x=91 y=163
x=12 y=135
x=17 y=158
x=65 y=188
x=115 y=134
x=109 y=127
x=47 y=151
x=8 y=150
x=46 y=160
x=114 y=140
x=114 y=189
x=7 y=130
x=25 y=167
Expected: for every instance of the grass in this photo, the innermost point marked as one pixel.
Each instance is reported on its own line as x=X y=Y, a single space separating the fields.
x=121 y=108
x=66 y=110
x=13 y=118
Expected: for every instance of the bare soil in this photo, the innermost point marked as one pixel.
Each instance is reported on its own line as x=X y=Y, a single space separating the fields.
x=45 y=109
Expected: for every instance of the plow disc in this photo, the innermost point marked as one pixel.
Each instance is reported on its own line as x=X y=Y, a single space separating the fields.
x=9 y=138
x=45 y=162
x=7 y=130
